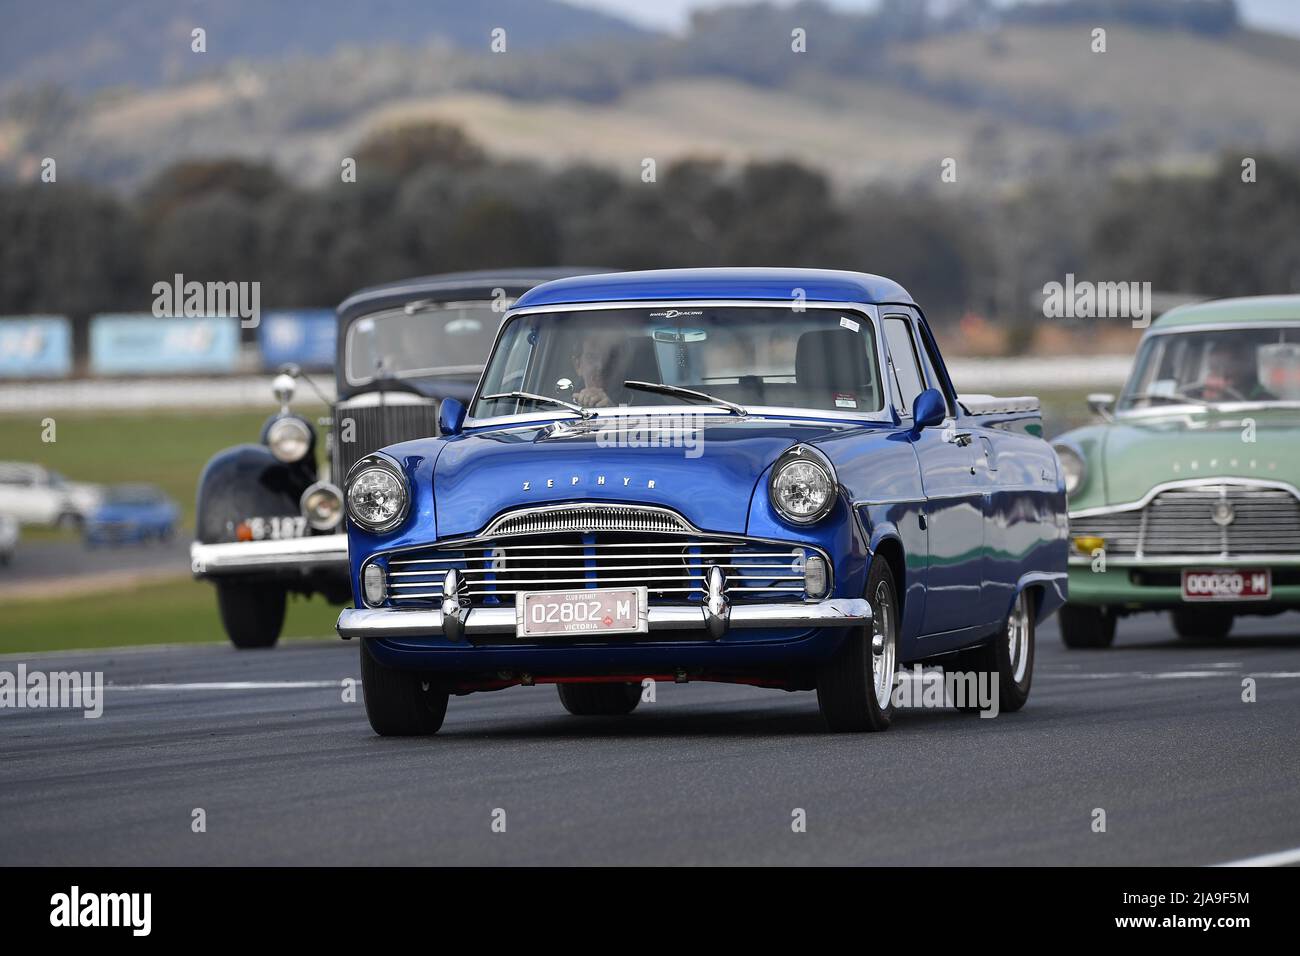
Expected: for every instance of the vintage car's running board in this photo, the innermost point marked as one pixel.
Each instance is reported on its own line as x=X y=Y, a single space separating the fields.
x=394 y=622
x=241 y=557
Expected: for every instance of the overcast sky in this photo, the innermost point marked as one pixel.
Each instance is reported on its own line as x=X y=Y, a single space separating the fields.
x=673 y=14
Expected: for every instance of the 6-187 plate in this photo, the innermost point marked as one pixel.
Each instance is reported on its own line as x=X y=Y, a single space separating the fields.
x=595 y=611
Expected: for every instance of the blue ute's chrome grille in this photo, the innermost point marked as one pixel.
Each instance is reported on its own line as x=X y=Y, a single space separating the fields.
x=671 y=566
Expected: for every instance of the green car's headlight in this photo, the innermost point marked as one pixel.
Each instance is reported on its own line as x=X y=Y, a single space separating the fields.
x=1072 y=467
x=802 y=486
x=377 y=495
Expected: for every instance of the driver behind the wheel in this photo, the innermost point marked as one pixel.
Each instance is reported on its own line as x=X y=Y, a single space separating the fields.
x=593 y=362
x=1232 y=374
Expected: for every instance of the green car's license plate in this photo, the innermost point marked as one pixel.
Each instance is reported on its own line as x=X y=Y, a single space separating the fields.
x=1244 y=584
x=586 y=611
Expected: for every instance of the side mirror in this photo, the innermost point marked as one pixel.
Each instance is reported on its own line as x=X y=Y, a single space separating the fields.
x=1103 y=404
x=451 y=416
x=929 y=409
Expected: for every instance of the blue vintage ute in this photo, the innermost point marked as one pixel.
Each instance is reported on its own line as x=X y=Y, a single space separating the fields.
x=760 y=476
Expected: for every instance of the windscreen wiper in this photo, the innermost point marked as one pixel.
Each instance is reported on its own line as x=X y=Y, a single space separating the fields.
x=680 y=392
x=543 y=399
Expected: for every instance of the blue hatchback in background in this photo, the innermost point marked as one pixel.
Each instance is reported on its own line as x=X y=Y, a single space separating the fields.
x=759 y=476
x=132 y=514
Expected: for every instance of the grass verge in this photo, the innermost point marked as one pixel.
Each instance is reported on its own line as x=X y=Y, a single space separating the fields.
x=170 y=612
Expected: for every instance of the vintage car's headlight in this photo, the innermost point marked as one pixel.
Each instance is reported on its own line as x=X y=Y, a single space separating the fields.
x=1072 y=466
x=289 y=439
x=377 y=495
x=322 y=506
x=802 y=486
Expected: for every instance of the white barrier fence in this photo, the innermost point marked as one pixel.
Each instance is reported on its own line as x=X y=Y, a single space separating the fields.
x=1002 y=376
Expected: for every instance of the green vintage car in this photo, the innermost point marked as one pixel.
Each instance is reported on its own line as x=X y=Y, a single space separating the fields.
x=1185 y=497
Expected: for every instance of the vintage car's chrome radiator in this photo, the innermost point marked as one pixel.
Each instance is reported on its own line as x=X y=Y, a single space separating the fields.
x=568 y=547
x=1209 y=519
x=400 y=416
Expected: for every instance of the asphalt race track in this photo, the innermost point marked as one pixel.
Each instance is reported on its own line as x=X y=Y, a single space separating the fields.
x=1152 y=731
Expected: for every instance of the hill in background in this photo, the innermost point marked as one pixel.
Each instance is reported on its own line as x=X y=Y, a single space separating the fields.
x=887 y=96
x=89 y=44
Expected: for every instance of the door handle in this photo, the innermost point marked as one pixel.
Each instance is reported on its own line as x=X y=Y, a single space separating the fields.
x=960 y=439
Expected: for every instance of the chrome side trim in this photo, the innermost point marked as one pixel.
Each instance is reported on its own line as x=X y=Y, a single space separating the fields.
x=1185 y=483
x=388 y=622
x=241 y=557
x=1188 y=410
x=1192 y=561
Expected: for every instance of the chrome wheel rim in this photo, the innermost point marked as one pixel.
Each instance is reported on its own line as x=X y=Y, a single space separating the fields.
x=882 y=645
x=1018 y=639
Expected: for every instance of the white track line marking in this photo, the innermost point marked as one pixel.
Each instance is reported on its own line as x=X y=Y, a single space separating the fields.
x=233 y=685
x=1281 y=858
x=1167 y=675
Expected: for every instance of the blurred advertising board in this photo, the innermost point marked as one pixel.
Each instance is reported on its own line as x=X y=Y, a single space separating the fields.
x=141 y=344
x=35 y=346
x=304 y=337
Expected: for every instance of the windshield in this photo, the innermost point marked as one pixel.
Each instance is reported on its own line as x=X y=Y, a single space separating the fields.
x=450 y=339
x=1216 y=366
x=749 y=355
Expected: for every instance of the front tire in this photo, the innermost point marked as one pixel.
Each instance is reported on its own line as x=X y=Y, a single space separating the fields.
x=599 y=700
x=855 y=688
x=1008 y=659
x=1085 y=626
x=401 y=703
x=252 y=614
x=1202 y=624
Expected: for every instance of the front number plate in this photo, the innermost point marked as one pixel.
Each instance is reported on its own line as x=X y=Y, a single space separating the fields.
x=563 y=613
x=1246 y=584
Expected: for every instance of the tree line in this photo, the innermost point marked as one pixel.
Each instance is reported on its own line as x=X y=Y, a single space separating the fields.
x=427 y=200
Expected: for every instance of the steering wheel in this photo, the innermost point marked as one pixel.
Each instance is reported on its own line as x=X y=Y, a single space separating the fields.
x=1202 y=386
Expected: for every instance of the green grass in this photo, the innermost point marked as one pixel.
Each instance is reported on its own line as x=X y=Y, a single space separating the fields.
x=166 y=448
x=180 y=611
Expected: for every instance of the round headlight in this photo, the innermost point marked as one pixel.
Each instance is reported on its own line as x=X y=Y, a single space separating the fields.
x=322 y=506
x=289 y=439
x=802 y=488
x=1072 y=467
x=377 y=498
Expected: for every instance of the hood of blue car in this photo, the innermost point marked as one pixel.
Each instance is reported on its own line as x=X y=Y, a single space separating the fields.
x=707 y=473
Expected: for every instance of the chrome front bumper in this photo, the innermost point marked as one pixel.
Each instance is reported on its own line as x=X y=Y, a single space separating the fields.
x=394 y=622
x=327 y=551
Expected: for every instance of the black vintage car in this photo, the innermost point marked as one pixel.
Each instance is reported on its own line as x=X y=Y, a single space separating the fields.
x=269 y=517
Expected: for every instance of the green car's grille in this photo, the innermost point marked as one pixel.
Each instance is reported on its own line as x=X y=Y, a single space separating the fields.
x=1207 y=520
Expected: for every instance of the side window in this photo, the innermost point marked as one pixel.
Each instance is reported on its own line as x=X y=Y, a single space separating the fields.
x=904 y=362
x=932 y=367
